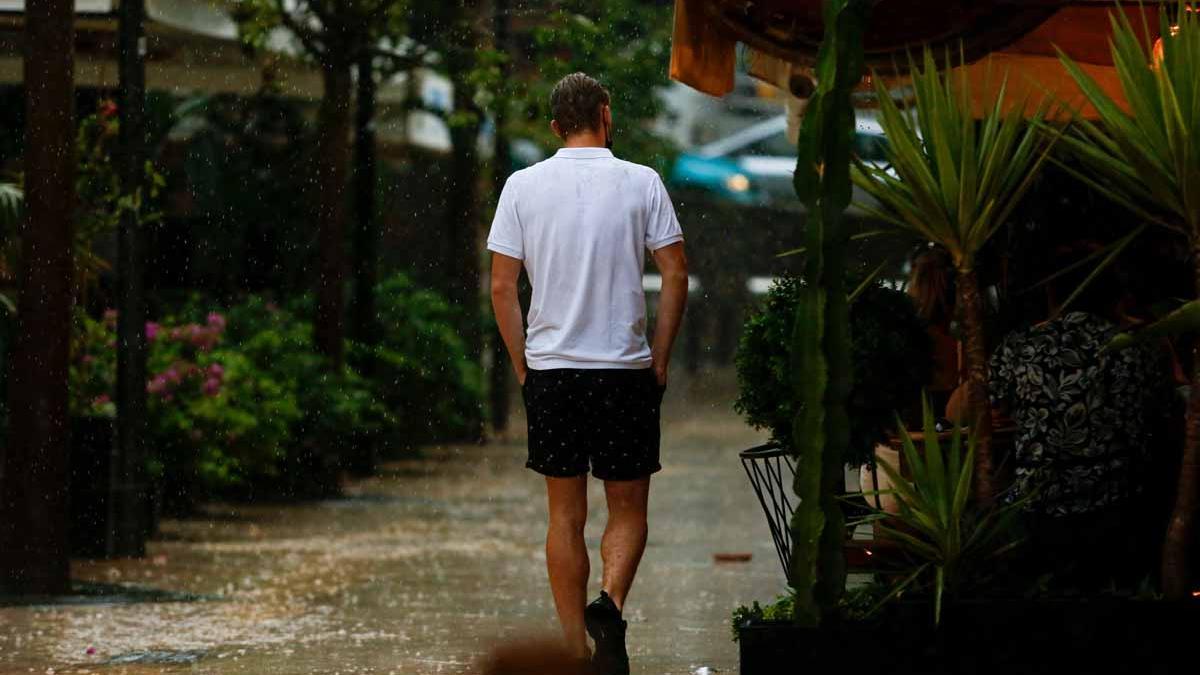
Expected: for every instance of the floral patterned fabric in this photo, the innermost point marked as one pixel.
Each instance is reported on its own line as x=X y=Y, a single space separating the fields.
x=1083 y=416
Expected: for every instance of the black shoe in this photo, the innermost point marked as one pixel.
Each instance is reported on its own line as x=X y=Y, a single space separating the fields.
x=606 y=627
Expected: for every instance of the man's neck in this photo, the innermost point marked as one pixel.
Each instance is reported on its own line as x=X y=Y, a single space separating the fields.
x=585 y=139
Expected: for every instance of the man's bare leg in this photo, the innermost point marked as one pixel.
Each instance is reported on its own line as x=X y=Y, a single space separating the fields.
x=624 y=536
x=567 y=557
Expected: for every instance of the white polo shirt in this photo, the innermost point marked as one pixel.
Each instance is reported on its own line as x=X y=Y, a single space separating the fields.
x=582 y=222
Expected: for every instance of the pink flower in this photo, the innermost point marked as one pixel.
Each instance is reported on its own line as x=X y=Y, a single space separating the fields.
x=158 y=385
x=102 y=399
x=172 y=375
x=151 y=330
x=212 y=387
x=201 y=337
x=216 y=321
x=216 y=371
x=91 y=651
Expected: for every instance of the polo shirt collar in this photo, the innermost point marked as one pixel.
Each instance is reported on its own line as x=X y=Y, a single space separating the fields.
x=583 y=153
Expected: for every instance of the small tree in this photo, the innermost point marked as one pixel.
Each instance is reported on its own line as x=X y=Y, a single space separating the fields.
x=333 y=34
x=1145 y=158
x=626 y=44
x=954 y=181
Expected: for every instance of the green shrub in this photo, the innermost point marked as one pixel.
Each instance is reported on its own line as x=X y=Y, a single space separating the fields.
x=783 y=609
x=951 y=543
x=421 y=369
x=215 y=420
x=891 y=353
x=280 y=344
x=240 y=402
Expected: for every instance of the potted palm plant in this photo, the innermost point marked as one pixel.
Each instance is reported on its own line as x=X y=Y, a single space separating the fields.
x=954 y=599
x=1146 y=156
x=953 y=180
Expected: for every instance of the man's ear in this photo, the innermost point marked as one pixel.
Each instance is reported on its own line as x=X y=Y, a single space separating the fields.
x=606 y=115
x=557 y=131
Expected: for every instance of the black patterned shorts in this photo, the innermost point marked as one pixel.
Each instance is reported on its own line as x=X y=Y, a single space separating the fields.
x=606 y=417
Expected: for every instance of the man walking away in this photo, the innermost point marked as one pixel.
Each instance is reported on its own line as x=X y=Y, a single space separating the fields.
x=580 y=223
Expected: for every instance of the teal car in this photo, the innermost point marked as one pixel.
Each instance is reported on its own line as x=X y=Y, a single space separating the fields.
x=754 y=166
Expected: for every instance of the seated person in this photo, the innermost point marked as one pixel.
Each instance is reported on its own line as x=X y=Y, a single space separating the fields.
x=931 y=287
x=1084 y=420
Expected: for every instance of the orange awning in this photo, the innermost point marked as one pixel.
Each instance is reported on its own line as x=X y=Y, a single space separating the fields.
x=999 y=37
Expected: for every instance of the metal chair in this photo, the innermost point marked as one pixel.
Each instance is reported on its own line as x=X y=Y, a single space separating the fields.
x=771 y=469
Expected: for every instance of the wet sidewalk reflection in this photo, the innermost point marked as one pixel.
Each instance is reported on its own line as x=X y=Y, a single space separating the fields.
x=418 y=570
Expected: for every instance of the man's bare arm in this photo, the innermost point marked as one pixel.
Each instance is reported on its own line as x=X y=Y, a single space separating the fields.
x=672 y=266
x=507 y=306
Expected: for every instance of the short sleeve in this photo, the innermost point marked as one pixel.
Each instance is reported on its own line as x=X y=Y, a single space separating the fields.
x=506 y=236
x=662 y=229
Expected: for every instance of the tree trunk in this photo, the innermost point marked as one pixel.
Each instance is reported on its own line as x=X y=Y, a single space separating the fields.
x=329 y=166
x=501 y=165
x=1180 y=539
x=462 y=226
x=978 y=407
x=362 y=309
x=33 y=469
x=130 y=521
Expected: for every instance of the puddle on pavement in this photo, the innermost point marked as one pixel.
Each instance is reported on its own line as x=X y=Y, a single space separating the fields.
x=421 y=570
x=158 y=657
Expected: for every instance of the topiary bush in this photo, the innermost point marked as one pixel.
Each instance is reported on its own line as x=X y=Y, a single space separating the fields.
x=891 y=352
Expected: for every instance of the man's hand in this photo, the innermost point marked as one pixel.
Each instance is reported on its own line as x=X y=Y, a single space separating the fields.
x=505 y=272
x=660 y=371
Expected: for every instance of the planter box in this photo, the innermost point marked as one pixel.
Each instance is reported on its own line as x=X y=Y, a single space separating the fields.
x=999 y=637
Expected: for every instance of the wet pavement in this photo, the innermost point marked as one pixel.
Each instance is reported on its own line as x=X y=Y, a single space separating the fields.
x=418 y=570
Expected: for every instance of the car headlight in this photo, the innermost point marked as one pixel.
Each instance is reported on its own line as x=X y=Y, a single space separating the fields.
x=737 y=183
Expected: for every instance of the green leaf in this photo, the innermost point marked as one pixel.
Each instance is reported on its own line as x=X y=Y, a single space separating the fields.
x=1182 y=321
x=1111 y=253
x=868 y=280
x=955 y=181
x=1145 y=159
x=937 y=526
x=11 y=207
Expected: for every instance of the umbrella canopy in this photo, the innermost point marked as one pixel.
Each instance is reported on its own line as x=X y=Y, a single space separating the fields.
x=1020 y=39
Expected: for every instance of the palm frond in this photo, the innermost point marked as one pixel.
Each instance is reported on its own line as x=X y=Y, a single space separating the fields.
x=12 y=202
x=956 y=179
x=946 y=536
x=1146 y=156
